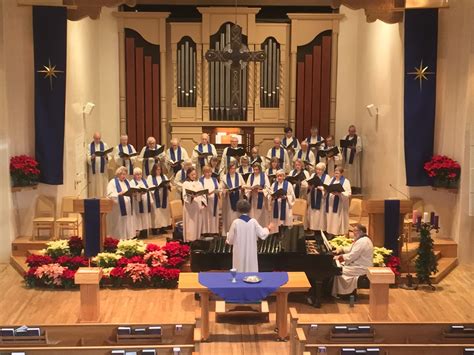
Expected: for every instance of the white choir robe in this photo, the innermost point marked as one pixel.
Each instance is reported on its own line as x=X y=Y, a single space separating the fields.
x=259 y=159
x=286 y=159
x=192 y=211
x=225 y=161
x=128 y=163
x=243 y=235
x=303 y=185
x=269 y=172
x=289 y=201
x=118 y=226
x=317 y=217
x=98 y=181
x=196 y=160
x=314 y=140
x=331 y=163
x=228 y=215
x=142 y=219
x=294 y=143
x=245 y=170
x=352 y=170
x=160 y=216
x=261 y=215
x=307 y=156
x=210 y=220
x=169 y=160
x=356 y=262
x=147 y=164
x=338 y=222
x=177 y=182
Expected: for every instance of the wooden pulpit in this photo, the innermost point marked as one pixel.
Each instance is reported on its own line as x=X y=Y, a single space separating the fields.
x=105 y=207
x=376 y=211
x=88 y=279
x=380 y=280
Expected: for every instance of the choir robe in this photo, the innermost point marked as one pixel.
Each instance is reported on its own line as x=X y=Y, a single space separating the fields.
x=128 y=163
x=192 y=212
x=356 y=263
x=294 y=143
x=289 y=202
x=160 y=212
x=228 y=213
x=314 y=140
x=210 y=213
x=118 y=226
x=282 y=154
x=307 y=156
x=174 y=155
x=98 y=170
x=179 y=179
x=245 y=170
x=226 y=160
x=243 y=235
x=303 y=189
x=260 y=214
x=331 y=163
x=352 y=161
x=141 y=206
x=199 y=163
x=260 y=159
x=317 y=207
x=147 y=164
x=269 y=172
x=338 y=219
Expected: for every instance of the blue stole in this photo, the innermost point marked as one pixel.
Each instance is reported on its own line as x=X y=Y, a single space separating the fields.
x=283 y=202
x=130 y=167
x=335 y=205
x=260 y=194
x=353 y=151
x=245 y=218
x=158 y=202
x=282 y=156
x=145 y=163
x=297 y=186
x=121 y=199
x=183 y=175
x=317 y=196
x=216 y=196
x=173 y=157
x=140 y=204
x=234 y=195
x=102 y=159
x=294 y=143
x=202 y=161
x=300 y=155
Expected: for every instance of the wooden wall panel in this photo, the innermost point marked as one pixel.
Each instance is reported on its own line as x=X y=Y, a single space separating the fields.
x=300 y=99
x=148 y=97
x=316 y=88
x=130 y=89
x=139 y=75
x=156 y=100
x=308 y=74
x=325 y=84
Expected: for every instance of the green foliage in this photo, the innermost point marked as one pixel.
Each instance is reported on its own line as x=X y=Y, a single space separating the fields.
x=426 y=263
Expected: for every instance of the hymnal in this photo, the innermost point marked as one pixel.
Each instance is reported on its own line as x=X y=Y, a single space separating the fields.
x=203 y=154
x=176 y=351
x=164 y=183
x=126 y=155
x=178 y=327
x=33 y=332
x=340 y=329
x=296 y=179
x=307 y=163
x=148 y=352
x=193 y=193
x=134 y=190
x=279 y=193
x=7 y=332
x=131 y=353
x=101 y=153
x=175 y=163
x=289 y=147
x=316 y=145
x=124 y=330
x=313 y=327
x=235 y=152
x=271 y=178
x=258 y=159
x=139 y=331
x=153 y=153
x=347 y=143
x=118 y=352
x=333 y=188
x=314 y=181
x=328 y=152
x=156 y=330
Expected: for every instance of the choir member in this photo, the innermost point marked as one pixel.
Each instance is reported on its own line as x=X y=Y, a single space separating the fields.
x=281 y=153
x=214 y=164
x=334 y=161
x=142 y=203
x=160 y=213
x=356 y=261
x=180 y=178
x=98 y=175
x=245 y=167
x=230 y=195
x=174 y=154
x=291 y=142
x=124 y=160
x=203 y=147
x=120 y=222
x=281 y=207
x=313 y=139
x=210 y=213
x=300 y=188
x=257 y=191
x=337 y=205
x=352 y=159
x=243 y=235
x=273 y=167
x=255 y=157
x=307 y=156
x=148 y=163
x=192 y=208
x=226 y=158
x=317 y=200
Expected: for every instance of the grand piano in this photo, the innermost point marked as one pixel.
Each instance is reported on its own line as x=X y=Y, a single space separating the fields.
x=289 y=250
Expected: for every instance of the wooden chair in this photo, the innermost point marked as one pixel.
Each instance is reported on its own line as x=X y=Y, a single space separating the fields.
x=45 y=215
x=355 y=211
x=176 y=212
x=68 y=220
x=299 y=211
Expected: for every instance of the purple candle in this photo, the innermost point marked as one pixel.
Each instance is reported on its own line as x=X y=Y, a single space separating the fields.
x=432 y=218
x=436 y=221
x=418 y=220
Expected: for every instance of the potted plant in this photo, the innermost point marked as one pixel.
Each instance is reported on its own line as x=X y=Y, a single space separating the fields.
x=444 y=171
x=23 y=171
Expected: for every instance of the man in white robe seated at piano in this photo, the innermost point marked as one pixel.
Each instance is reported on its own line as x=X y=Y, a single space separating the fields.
x=355 y=261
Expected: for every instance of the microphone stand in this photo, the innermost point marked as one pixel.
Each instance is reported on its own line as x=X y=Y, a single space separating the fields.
x=409 y=283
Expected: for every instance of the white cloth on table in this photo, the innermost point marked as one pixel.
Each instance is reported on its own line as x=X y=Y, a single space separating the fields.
x=118 y=226
x=338 y=222
x=353 y=170
x=210 y=222
x=192 y=209
x=160 y=216
x=98 y=181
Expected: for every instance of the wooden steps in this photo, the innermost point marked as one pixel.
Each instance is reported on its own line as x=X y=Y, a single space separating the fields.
x=21 y=245
x=19 y=264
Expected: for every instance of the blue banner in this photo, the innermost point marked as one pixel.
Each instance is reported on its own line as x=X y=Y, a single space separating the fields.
x=392 y=225
x=91 y=227
x=49 y=38
x=421 y=40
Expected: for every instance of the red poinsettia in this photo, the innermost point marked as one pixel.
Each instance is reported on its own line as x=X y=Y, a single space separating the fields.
x=24 y=170
x=152 y=247
x=110 y=244
x=175 y=262
x=35 y=260
x=72 y=262
x=443 y=167
x=177 y=249
x=394 y=264
x=75 y=245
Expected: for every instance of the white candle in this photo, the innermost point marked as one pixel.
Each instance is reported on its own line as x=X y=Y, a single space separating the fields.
x=426 y=217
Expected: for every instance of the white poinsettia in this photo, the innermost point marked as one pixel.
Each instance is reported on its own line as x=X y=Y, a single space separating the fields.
x=57 y=248
x=106 y=260
x=131 y=247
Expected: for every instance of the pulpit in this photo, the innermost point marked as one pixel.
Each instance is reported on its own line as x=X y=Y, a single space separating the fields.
x=89 y=278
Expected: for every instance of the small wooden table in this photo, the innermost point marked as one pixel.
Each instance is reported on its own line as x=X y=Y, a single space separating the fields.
x=89 y=278
x=380 y=279
x=297 y=282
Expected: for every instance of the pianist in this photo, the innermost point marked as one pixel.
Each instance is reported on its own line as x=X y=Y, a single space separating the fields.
x=355 y=262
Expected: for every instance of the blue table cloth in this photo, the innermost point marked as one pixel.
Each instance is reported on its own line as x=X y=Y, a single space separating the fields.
x=220 y=283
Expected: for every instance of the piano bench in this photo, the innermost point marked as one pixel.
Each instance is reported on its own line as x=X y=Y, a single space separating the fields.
x=363 y=282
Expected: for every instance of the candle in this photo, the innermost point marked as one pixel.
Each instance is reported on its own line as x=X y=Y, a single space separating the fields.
x=426 y=217
x=432 y=218
x=418 y=219
x=436 y=221
x=415 y=216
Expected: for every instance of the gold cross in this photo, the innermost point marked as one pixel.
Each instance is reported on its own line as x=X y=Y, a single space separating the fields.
x=421 y=73
x=50 y=72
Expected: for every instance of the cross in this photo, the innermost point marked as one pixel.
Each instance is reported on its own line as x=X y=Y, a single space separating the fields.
x=235 y=56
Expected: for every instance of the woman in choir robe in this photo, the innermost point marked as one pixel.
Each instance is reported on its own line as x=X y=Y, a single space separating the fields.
x=192 y=208
x=179 y=179
x=214 y=163
x=210 y=213
x=334 y=161
x=245 y=168
x=149 y=162
x=120 y=222
x=257 y=191
x=337 y=205
x=98 y=167
x=231 y=186
x=243 y=235
x=352 y=159
x=273 y=167
x=300 y=188
x=290 y=142
x=142 y=203
x=317 y=200
x=281 y=207
x=160 y=212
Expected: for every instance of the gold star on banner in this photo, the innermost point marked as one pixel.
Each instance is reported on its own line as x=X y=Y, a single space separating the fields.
x=50 y=72
x=421 y=73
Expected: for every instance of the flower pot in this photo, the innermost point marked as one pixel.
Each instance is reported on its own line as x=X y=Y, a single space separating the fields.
x=440 y=182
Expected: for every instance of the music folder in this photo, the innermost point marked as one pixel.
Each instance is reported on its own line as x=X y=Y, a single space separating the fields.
x=153 y=153
x=197 y=193
x=203 y=154
x=126 y=155
x=328 y=152
x=347 y=143
x=316 y=145
x=314 y=181
x=174 y=163
x=296 y=179
x=235 y=152
x=333 y=188
x=278 y=193
x=101 y=153
x=258 y=159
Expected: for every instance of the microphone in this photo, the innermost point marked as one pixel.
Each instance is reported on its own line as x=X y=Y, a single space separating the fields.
x=404 y=194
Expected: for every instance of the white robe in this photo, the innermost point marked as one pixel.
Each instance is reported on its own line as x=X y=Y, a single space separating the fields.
x=261 y=215
x=245 y=170
x=195 y=156
x=356 y=262
x=352 y=171
x=142 y=219
x=224 y=159
x=160 y=217
x=128 y=163
x=177 y=182
x=244 y=236
x=306 y=156
x=148 y=161
x=304 y=184
x=228 y=215
x=118 y=226
x=98 y=181
x=338 y=223
x=210 y=223
x=317 y=218
x=192 y=212
x=286 y=159
x=184 y=156
x=332 y=162
x=314 y=140
x=289 y=200
x=286 y=141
